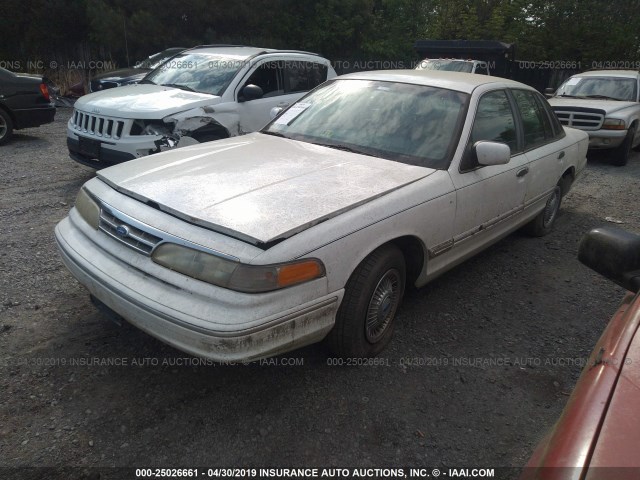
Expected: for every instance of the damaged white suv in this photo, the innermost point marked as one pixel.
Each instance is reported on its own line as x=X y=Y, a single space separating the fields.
x=205 y=93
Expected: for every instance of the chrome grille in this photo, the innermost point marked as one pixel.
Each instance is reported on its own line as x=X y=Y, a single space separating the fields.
x=131 y=236
x=99 y=125
x=582 y=119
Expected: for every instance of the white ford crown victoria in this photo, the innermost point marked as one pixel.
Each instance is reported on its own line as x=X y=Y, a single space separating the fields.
x=255 y=245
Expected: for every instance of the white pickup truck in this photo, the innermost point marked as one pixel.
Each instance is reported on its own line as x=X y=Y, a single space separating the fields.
x=606 y=105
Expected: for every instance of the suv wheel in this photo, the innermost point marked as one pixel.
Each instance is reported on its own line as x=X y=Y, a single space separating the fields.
x=621 y=153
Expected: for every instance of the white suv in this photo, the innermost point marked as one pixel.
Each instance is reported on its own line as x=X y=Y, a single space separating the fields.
x=205 y=93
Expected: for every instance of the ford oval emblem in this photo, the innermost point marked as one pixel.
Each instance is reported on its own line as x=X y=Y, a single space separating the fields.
x=122 y=231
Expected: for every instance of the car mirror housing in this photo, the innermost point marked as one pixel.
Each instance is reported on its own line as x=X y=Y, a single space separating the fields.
x=549 y=92
x=492 y=153
x=275 y=111
x=251 y=92
x=613 y=253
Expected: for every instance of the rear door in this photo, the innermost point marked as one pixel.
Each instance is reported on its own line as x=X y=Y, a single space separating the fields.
x=545 y=146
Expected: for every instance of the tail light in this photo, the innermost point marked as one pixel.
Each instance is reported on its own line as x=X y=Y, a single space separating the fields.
x=45 y=92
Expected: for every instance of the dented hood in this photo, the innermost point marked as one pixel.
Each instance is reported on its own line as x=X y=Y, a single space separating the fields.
x=259 y=188
x=143 y=101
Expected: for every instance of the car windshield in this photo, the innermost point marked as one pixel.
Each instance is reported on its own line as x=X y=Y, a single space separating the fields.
x=615 y=88
x=447 y=65
x=413 y=124
x=198 y=72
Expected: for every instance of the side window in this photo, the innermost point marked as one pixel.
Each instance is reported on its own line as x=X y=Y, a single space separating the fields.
x=558 y=131
x=300 y=76
x=267 y=77
x=494 y=120
x=535 y=122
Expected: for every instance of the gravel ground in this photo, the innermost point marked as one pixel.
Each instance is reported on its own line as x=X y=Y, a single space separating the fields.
x=522 y=315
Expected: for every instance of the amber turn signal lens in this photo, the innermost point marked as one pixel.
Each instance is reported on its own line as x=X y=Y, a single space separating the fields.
x=299 y=272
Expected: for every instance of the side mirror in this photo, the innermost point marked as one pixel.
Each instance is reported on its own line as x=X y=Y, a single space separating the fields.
x=549 y=92
x=492 y=153
x=251 y=92
x=613 y=253
x=275 y=111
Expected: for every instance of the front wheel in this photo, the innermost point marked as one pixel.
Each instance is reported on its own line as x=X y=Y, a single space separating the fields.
x=6 y=127
x=365 y=319
x=543 y=222
x=622 y=152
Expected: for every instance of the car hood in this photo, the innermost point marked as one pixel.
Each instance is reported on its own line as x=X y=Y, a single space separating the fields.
x=620 y=431
x=259 y=188
x=122 y=74
x=609 y=106
x=144 y=101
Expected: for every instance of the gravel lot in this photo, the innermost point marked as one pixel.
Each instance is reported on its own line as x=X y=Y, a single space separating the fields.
x=525 y=303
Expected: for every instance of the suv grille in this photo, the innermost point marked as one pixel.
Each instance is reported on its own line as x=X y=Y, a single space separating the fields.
x=100 y=126
x=584 y=118
x=131 y=236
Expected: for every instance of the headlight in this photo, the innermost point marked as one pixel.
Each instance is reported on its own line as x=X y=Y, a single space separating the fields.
x=235 y=275
x=613 y=124
x=88 y=209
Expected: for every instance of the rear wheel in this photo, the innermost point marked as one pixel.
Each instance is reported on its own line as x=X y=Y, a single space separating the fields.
x=621 y=154
x=365 y=319
x=542 y=224
x=6 y=127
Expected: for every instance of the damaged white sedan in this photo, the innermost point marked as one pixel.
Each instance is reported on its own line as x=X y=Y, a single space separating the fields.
x=202 y=94
x=310 y=229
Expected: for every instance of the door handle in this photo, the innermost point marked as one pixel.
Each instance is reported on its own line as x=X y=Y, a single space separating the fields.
x=283 y=104
x=522 y=172
x=560 y=155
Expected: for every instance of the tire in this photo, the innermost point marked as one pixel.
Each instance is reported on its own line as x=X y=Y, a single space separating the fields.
x=621 y=154
x=6 y=127
x=543 y=223
x=374 y=291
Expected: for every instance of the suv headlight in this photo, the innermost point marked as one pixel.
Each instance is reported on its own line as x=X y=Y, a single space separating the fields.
x=88 y=208
x=233 y=274
x=613 y=124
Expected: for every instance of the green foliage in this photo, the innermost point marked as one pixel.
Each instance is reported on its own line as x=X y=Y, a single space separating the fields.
x=578 y=30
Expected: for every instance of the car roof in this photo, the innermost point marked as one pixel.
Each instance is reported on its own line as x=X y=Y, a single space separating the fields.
x=242 y=50
x=609 y=73
x=462 y=82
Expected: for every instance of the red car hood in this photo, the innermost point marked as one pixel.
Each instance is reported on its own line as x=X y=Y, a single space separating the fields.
x=600 y=425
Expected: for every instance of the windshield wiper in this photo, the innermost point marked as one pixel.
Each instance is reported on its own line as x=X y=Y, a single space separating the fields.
x=181 y=87
x=603 y=97
x=147 y=81
x=344 y=148
x=570 y=96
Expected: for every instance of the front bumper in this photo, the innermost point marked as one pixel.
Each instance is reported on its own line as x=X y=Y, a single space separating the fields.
x=108 y=157
x=112 y=151
x=601 y=139
x=178 y=318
